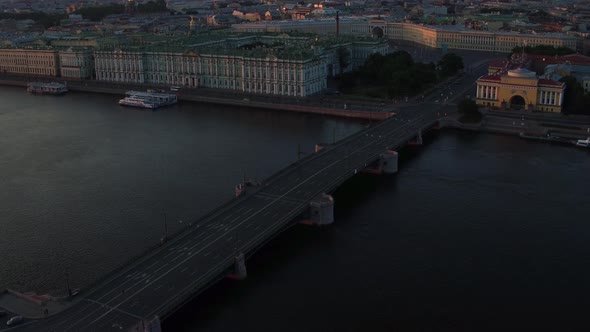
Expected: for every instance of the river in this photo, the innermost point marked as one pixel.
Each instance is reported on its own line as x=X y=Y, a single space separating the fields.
x=475 y=232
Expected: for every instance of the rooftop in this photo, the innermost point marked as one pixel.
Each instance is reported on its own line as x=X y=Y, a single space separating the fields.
x=292 y=46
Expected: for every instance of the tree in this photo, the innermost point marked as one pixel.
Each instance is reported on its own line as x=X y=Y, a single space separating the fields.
x=152 y=7
x=343 y=58
x=98 y=13
x=469 y=111
x=450 y=64
x=575 y=100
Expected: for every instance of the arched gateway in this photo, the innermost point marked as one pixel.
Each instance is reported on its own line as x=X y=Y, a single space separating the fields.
x=517 y=102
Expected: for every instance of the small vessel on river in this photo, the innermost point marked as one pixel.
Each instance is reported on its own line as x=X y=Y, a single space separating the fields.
x=53 y=88
x=149 y=99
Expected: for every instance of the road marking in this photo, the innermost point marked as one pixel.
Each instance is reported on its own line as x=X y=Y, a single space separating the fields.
x=169 y=254
x=147 y=268
x=161 y=267
x=236 y=226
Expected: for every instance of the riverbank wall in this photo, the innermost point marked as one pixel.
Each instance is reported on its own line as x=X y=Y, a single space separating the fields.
x=231 y=99
x=534 y=131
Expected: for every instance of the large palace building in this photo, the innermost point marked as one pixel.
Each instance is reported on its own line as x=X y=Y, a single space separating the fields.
x=275 y=65
x=520 y=89
x=280 y=64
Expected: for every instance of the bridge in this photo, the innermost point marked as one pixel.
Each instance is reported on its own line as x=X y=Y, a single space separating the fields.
x=141 y=294
x=138 y=296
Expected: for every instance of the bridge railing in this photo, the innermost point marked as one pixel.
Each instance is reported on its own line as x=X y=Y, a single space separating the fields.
x=259 y=239
x=219 y=270
x=150 y=251
x=345 y=176
x=295 y=165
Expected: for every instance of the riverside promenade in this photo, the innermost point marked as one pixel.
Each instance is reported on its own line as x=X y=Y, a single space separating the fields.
x=314 y=104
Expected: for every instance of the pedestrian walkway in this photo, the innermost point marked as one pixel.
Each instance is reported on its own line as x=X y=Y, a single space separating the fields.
x=18 y=305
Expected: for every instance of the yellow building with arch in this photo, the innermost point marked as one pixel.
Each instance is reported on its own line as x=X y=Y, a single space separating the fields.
x=520 y=89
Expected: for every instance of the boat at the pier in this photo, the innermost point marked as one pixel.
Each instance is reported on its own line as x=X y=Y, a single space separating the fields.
x=151 y=100
x=584 y=142
x=52 y=88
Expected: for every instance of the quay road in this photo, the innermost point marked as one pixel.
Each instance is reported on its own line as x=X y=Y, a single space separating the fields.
x=163 y=280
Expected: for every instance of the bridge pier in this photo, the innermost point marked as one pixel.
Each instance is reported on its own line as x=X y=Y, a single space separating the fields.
x=321 y=211
x=240 y=271
x=387 y=164
x=418 y=140
x=388 y=161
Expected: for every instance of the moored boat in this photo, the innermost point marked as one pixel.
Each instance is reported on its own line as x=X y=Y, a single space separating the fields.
x=584 y=142
x=151 y=100
x=52 y=88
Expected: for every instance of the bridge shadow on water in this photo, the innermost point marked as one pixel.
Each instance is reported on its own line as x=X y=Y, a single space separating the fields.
x=295 y=246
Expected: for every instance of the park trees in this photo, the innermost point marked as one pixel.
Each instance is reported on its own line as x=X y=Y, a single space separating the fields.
x=449 y=65
x=575 y=100
x=389 y=76
x=469 y=111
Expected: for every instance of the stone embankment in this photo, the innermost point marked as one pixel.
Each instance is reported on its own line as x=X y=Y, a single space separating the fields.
x=302 y=105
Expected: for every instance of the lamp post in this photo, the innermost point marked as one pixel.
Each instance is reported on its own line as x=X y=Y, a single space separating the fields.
x=68 y=283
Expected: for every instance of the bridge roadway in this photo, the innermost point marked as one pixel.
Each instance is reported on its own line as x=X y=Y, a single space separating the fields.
x=156 y=284
x=161 y=281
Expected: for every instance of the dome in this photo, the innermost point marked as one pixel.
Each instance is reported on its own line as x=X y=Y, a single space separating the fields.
x=522 y=73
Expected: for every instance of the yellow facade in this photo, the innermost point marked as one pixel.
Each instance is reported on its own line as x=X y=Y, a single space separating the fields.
x=29 y=62
x=520 y=89
x=448 y=36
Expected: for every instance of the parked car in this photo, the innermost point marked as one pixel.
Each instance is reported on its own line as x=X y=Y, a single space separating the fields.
x=2 y=313
x=15 y=320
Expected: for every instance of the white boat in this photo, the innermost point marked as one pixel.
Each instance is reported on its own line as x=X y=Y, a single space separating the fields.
x=53 y=88
x=151 y=100
x=137 y=102
x=584 y=142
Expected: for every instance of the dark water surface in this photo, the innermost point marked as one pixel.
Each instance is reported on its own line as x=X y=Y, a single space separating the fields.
x=476 y=232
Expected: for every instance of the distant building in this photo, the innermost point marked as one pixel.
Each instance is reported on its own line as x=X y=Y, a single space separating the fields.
x=520 y=89
x=29 y=62
x=76 y=63
x=276 y=65
x=450 y=36
x=435 y=10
